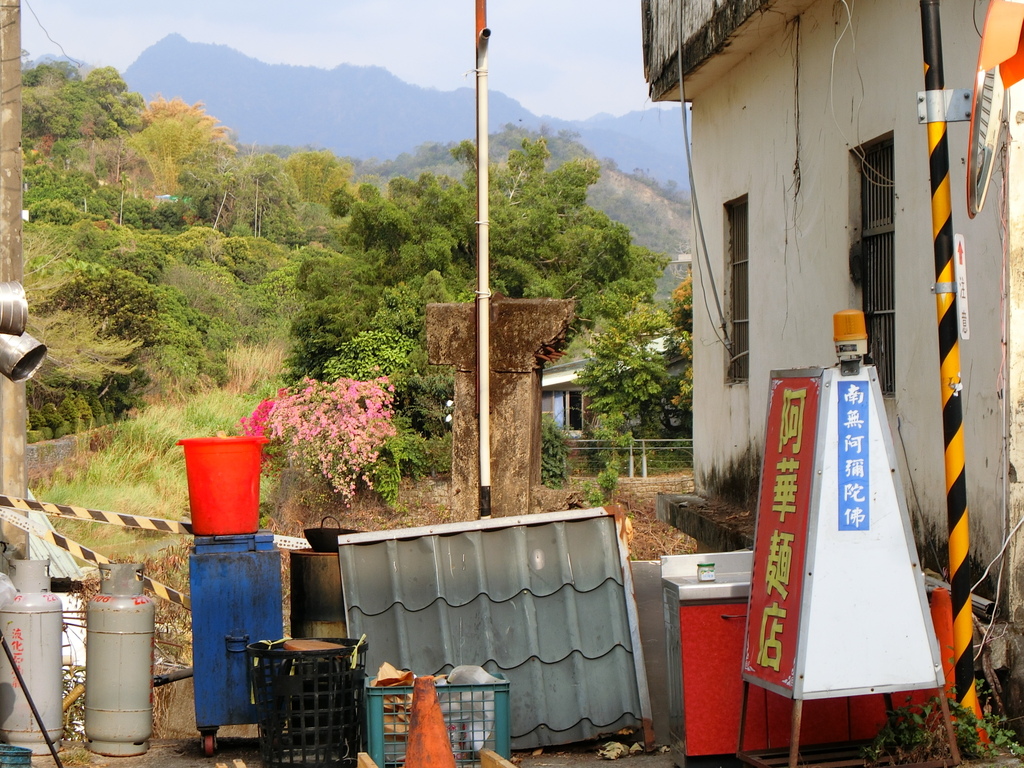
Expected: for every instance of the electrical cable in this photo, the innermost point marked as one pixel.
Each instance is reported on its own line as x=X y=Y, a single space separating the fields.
x=76 y=62
x=869 y=171
x=723 y=337
x=999 y=555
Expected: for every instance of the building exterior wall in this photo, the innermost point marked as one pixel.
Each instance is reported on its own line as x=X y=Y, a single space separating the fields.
x=779 y=128
x=1013 y=565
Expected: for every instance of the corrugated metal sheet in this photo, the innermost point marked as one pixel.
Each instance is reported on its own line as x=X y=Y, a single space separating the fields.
x=546 y=600
x=62 y=564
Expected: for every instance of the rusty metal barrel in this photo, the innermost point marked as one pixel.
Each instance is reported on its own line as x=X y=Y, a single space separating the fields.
x=318 y=608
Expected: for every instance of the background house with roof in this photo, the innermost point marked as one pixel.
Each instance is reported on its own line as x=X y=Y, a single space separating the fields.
x=811 y=181
x=562 y=396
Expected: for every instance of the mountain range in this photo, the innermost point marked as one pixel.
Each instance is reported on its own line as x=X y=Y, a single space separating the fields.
x=367 y=112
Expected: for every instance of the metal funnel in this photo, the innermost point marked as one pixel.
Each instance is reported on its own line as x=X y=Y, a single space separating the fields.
x=20 y=356
x=13 y=309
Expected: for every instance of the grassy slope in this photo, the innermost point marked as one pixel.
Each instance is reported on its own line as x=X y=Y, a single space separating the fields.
x=140 y=470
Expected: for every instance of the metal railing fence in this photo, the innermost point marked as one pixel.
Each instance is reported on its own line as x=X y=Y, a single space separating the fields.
x=641 y=458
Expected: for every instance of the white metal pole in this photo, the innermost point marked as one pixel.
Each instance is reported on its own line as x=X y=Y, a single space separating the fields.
x=483 y=291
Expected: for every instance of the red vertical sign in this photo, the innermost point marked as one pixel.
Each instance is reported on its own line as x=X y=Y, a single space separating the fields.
x=780 y=543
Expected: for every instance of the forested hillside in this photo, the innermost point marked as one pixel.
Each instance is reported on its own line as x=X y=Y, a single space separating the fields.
x=155 y=250
x=658 y=215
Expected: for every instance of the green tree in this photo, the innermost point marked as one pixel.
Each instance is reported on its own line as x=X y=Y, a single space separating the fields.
x=77 y=356
x=81 y=357
x=111 y=110
x=81 y=122
x=122 y=304
x=554 y=453
x=266 y=200
x=369 y=355
x=546 y=241
x=175 y=133
x=682 y=343
x=50 y=104
x=318 y=175
x=626 y=375
x=339 y=296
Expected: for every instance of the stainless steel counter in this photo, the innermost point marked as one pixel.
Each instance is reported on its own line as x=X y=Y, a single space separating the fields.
x=732 y=576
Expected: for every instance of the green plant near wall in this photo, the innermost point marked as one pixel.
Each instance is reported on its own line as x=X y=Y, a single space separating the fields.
x=916 y=733
x=554 y=454
x=608 y=480
x=614 y=430
x=592 y=493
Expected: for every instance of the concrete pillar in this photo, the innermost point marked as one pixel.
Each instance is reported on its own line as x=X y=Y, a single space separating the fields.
x=13 y=474
x=522 y=331
x=1013 y=565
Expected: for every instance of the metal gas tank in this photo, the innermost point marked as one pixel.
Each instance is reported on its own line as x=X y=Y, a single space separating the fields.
x=119 y=664
x=32 y=624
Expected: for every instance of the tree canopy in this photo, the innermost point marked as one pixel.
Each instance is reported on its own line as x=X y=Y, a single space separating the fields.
x=155 y=248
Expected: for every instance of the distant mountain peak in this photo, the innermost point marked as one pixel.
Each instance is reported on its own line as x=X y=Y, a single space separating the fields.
x=368 y=112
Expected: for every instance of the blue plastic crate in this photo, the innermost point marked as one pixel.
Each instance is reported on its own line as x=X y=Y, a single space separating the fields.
x=477 y=717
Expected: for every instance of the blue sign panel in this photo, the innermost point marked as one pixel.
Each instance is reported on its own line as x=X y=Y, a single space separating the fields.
x=854 y=455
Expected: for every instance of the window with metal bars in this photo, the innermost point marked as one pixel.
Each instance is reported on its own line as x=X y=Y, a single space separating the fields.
x=878 y=238
x=739 y=306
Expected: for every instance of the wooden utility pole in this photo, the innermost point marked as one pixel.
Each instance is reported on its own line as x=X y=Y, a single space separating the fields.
x=13 y=474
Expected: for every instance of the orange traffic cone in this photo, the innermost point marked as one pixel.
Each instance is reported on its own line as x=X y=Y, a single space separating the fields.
x=941 y=606
x=428 y=745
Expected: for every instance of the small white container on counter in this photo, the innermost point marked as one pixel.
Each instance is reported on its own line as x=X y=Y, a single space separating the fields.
x=705 y=571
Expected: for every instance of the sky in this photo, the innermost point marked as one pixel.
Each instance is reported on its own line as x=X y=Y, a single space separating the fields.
x=570 y=59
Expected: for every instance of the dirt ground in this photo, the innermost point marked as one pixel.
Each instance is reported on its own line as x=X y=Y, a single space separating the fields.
x=169 y=753
x=306 y=507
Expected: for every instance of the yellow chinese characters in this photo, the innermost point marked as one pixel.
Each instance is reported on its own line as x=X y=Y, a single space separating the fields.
x=780 y=555
x=791 y=426
x=784 y=495
x=770 y=649
x=780 y=546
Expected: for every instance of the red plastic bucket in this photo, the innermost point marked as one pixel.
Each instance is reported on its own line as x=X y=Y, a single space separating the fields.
x=223 y=484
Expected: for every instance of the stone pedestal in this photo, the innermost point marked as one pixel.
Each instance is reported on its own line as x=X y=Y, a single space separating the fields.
x=524 y=332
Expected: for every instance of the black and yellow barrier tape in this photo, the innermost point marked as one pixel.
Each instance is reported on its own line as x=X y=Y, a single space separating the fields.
x=72 y=512
x=97 y=515
x=88 y=555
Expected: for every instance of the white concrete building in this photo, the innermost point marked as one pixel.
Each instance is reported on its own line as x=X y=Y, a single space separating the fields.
x=811 y=177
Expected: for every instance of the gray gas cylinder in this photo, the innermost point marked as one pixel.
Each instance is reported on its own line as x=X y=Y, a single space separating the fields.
x=119 y=664
x=32 y=625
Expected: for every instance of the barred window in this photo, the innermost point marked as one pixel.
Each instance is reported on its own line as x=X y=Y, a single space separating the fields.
x=739 y=309
x=878 y=237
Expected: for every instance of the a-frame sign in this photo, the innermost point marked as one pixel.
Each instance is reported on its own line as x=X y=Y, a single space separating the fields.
x=837 y=601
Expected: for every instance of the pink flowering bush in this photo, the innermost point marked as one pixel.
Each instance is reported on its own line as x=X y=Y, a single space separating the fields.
x=332 y=429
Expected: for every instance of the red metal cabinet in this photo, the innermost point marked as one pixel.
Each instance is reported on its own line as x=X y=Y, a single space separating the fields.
x=711 y=648
x=705 y=625
x=711 y=636
x=822 y=721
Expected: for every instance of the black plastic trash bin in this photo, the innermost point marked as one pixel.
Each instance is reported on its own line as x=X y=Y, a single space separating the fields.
x=309 y=700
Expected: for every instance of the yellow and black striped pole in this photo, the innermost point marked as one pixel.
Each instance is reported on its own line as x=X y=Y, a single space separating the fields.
x=949 y=359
